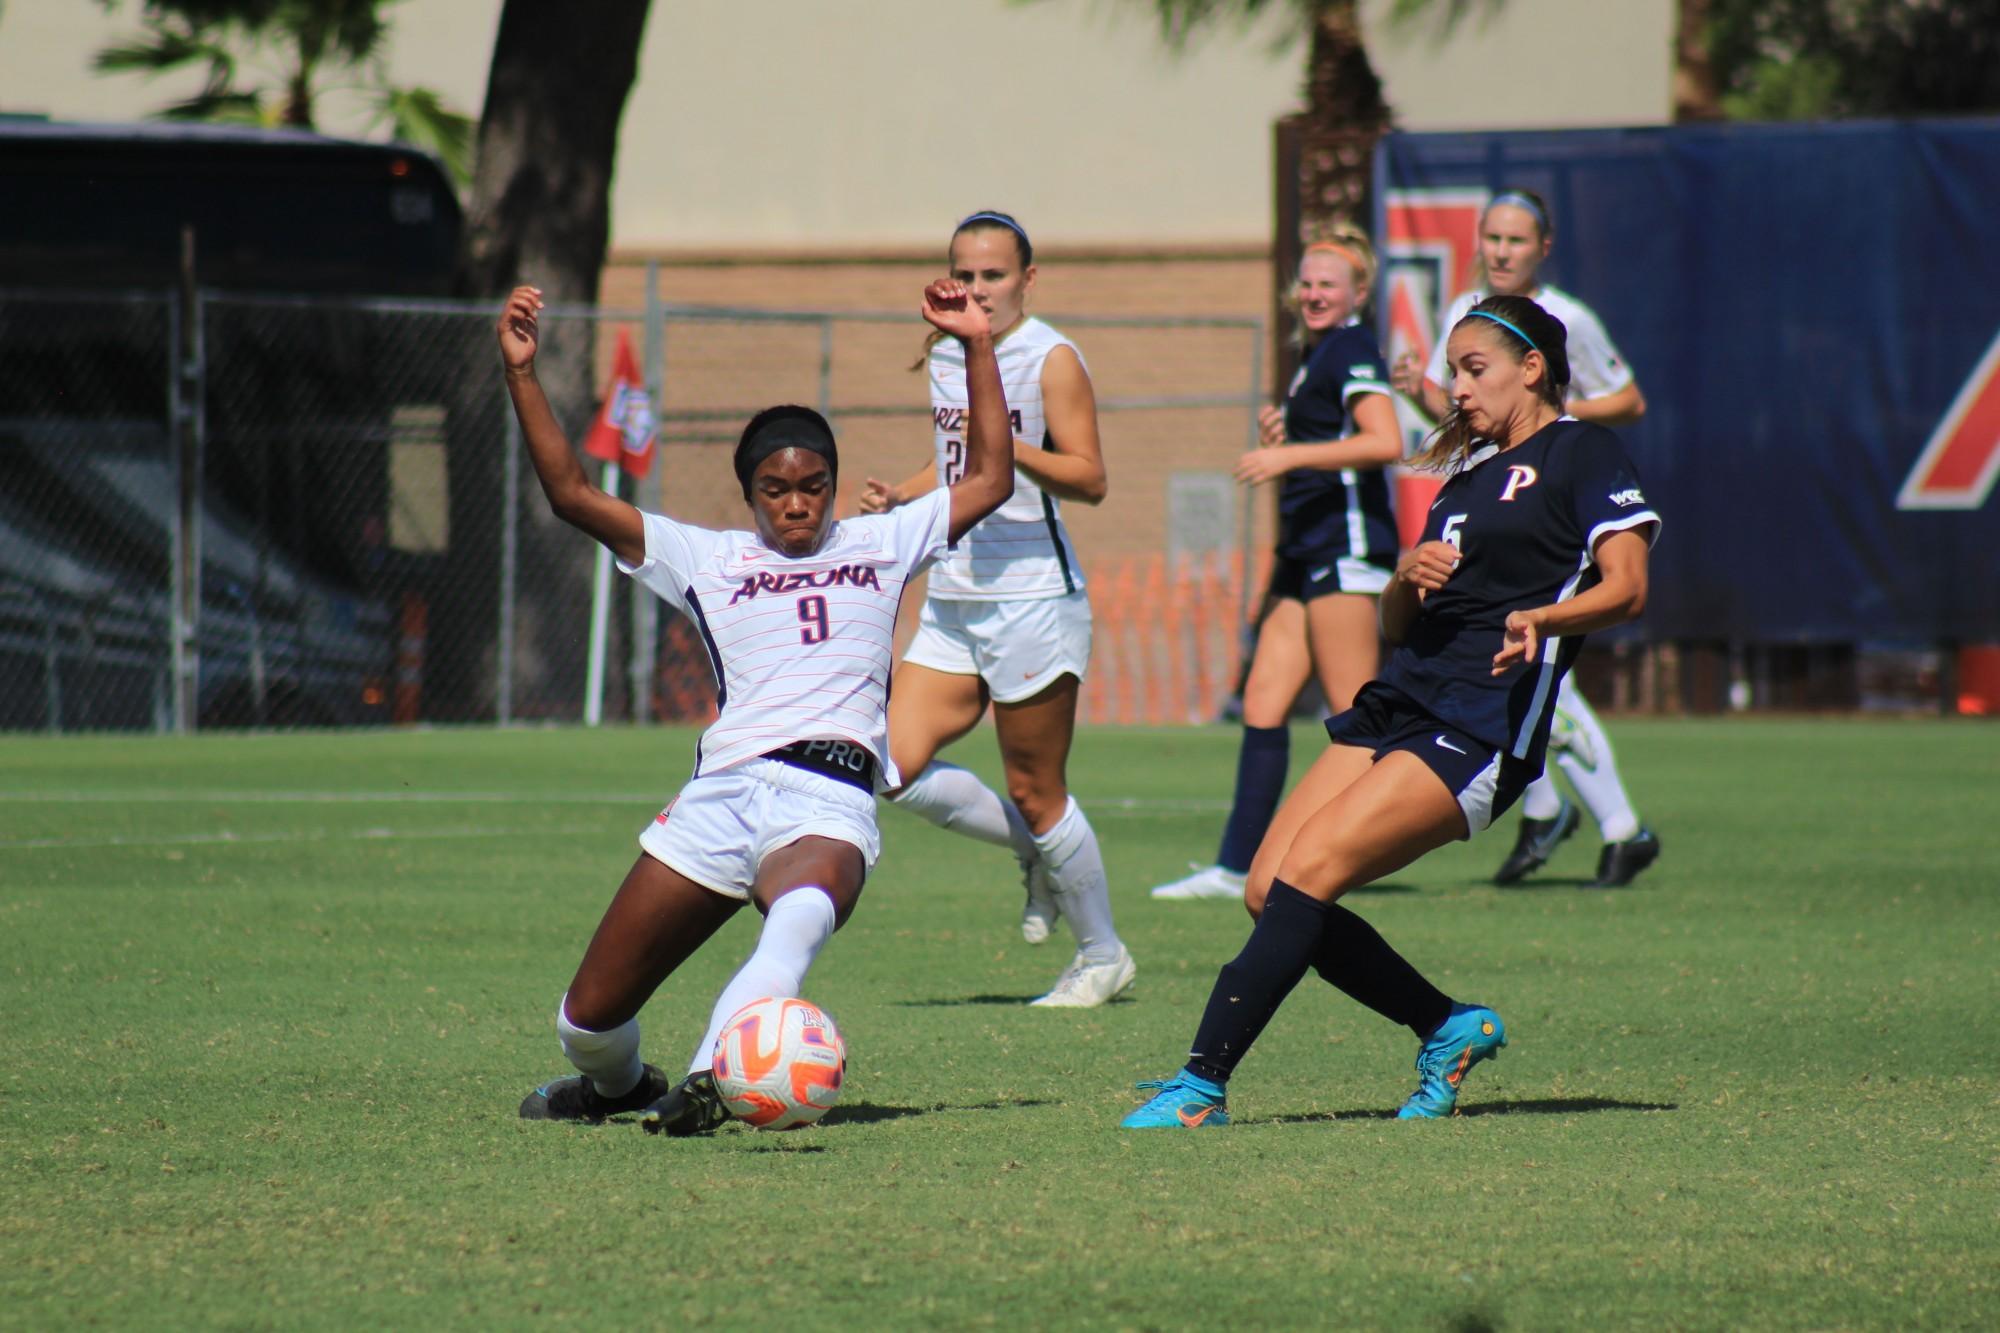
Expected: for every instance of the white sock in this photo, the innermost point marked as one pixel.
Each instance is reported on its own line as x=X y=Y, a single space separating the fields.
x=1076 y=875
x=1593 y=771
x=1540 y=799
x=610 y=1060
x=794 y=929
x=954 y=798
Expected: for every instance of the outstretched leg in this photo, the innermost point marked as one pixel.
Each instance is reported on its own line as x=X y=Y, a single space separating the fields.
x=657 y=919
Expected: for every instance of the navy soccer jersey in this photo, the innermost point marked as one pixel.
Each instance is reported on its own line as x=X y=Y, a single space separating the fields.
x=1325 y=514
x=1525 y=522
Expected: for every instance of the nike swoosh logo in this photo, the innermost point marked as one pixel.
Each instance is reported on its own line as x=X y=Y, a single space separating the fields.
x=1449 y=746
x=1193 y=1120
x=1320 y=573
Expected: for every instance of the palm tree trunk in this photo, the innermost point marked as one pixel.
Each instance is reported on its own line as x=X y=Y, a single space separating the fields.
x=1696 y=96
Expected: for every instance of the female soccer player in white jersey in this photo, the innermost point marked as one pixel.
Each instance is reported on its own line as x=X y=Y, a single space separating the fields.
x=1336 y=541
x=1515 y=235
x=798 y=617
x=1540 y=535
x=1006 y=620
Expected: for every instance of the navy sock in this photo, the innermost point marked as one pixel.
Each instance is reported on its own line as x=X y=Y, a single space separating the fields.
x=1261 y=765
x=1353 y=956
x=1256 y=981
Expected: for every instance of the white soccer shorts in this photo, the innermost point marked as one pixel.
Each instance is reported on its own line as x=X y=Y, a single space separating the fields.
x=723 y=825
x=1018 y=648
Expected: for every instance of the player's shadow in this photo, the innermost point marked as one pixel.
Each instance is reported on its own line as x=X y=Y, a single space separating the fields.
x=1565 y=882
x=1522 y=1106
x=869 y=1113
x=955 y=1001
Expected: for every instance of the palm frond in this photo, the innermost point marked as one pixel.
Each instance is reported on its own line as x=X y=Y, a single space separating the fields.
x=419 y=117
x=230 y=108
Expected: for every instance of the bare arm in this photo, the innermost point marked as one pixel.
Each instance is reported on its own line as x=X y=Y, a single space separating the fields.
x=1074 y=468
x=1375 y=443
x=571 y=496
x=989 y=436
x=1619 y=596
x=1621 y=407
x=1422 y=570
x=1407 y=378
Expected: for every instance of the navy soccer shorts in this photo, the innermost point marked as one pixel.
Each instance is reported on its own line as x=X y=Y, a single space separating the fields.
x=1485 y=780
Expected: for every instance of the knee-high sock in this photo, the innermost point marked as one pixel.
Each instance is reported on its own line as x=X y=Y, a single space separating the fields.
x=1076 y=876
x=1257 y=980
x=1590 y=767
x=1261 y=765
x=1353 y=956
x=1541 y=799
x=610 y=1060
x=953 y=798
x=795 y=928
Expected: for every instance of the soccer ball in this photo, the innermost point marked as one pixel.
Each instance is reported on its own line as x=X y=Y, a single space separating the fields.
x=778 y=1063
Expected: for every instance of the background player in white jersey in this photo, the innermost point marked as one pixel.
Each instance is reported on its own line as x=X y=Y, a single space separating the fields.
x=799 y=619
x=1336 y=541
x=1515 y=236
x=1007 y=620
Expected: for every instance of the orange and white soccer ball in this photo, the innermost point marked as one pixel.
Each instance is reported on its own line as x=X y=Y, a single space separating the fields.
x=778 y=1063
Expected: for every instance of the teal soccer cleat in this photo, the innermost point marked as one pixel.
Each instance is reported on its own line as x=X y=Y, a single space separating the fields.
x=1185 y=1101
x=1472 y=1033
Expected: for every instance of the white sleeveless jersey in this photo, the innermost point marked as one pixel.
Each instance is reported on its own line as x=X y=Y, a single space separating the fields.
x=1020 y=551
x=1595 y=367
x=801 y=647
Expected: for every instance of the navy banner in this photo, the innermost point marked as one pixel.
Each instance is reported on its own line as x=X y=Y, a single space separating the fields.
x=1813 y=314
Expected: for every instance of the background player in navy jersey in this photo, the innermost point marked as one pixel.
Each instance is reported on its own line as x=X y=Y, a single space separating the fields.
x=1336 y=541
x=1539 y=535
x=1515 y=236
x=1006 y=619
x=799 y=618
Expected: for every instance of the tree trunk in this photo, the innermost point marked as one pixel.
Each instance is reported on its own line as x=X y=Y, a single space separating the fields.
x=1326 y=153
x=1696 y=96
x=539 y=213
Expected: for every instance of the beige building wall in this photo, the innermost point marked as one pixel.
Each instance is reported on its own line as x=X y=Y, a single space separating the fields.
x=810 y=125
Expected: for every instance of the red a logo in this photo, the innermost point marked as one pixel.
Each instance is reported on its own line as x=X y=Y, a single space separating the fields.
x=1962 y=457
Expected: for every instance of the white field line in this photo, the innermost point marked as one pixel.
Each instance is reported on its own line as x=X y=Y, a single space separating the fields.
x=225 y=838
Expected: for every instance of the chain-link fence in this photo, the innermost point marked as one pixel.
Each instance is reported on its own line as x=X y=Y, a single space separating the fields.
x=273 y=512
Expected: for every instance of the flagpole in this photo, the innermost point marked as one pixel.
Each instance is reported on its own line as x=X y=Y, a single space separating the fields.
x=600 y=620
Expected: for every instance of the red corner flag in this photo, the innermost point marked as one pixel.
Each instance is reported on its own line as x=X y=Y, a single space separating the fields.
x=624 y=428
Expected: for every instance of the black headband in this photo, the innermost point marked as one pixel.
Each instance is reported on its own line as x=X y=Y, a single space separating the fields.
x=784 y=428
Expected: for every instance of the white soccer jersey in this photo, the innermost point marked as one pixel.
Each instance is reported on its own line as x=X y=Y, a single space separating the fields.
x=1595 y=367
x=801 y=647
x=1020 y=550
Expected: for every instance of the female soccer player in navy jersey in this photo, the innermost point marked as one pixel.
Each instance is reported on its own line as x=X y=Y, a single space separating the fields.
x=1336 y=541
x=1515 y=236
x=1539 y=535
x=799 y=620
x=1007 y=621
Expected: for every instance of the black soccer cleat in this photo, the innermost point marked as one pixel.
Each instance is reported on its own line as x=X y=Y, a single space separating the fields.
x=574 y=1098
x=692 y=1107
x=1620 y=862
x=1536 y=843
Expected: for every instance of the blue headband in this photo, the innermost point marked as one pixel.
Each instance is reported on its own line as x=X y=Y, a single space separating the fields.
x=1506 y=324
x=1001 y=220
x=1515 y=199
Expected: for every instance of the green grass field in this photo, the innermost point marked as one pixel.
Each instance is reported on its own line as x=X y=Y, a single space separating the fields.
x=270 y=1004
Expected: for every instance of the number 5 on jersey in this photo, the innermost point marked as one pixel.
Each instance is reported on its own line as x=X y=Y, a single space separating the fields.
x=1451 y=532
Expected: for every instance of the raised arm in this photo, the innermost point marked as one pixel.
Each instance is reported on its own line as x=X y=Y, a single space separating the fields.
x=571 y=496
x=989 y=437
